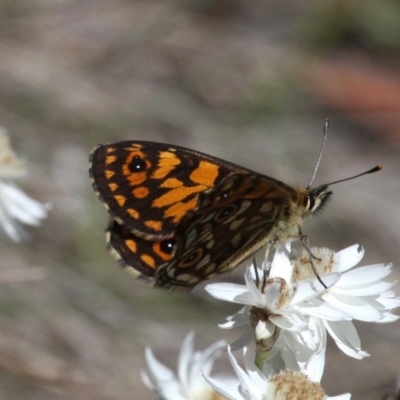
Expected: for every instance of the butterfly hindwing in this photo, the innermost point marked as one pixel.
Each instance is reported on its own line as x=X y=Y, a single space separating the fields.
x=150 y=187
x=140 y=256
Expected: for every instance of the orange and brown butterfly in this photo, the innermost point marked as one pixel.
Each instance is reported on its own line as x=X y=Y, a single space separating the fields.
x=179 y=216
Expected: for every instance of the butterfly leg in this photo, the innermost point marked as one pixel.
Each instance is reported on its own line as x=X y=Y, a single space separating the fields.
x=260 y=283
x=304 y=240
x=256 y=271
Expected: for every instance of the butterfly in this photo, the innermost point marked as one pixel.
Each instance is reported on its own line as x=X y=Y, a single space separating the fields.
x=178 y=216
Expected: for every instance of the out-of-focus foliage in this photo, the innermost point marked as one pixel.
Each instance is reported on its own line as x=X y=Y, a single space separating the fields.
x=372 y=26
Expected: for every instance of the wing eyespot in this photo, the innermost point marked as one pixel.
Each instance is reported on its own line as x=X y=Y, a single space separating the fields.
x=167 y=246
x=137 y=164
x=193 y=258
x=224 y=194
x=226 y=212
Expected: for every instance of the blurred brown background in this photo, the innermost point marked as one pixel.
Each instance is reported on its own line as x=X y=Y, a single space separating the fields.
x=251 y=82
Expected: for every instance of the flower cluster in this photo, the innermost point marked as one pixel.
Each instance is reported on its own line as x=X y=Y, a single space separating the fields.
x=288 y=312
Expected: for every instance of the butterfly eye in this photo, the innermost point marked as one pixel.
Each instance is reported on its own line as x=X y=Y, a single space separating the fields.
x=167 y=246
x=309 y=202
x=137 y=164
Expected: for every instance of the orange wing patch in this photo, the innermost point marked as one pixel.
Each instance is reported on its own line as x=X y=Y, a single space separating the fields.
x=131 y=245
x=121 y=200
x=155 y=225
x=133 y=213
x=109 y=174
x=166 y=164
x=180 y=209
x=205 y=174
x=110 y=159
x=113 y=186
x=171 y=183
x=137 y=178
x=141 y=192
x=148 y=260
x=177 y=194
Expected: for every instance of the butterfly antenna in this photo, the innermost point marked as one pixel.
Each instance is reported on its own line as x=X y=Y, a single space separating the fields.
x=326 y=126
x=371 y=171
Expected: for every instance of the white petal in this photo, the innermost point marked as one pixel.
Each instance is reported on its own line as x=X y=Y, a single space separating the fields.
x=226 y=291
x=158 y=371
x=254 y=373
x=241 y=318
x=291 y=322
x=9 y=226
x=253 y=290
x=245 y=380
x=377 y=303
x=388 y=317
x=346 y=338
x=312 y=287
x=208 y=356
x=389 y=304
x=353 y=306
x=377 y=288
x=264 y=330
x=345 y=396
x=348 y=258
x=185 y=358
x=365 y=275
x=281 y=265
x=147 y=381
x=315 y=366
x=320 y=309
x=20 y=206
x=225 y=390
x=16 y=206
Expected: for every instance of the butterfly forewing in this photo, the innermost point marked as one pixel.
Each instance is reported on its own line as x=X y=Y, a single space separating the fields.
x=150 y=187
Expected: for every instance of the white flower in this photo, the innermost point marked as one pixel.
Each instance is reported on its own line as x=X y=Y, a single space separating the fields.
x=291 y=311
x=269 y=385
x=15 y=206
x=273 y=313
x=360 y=293
x=188 y=383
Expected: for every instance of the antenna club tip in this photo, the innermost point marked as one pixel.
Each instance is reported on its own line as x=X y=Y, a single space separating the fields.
x=376 y=169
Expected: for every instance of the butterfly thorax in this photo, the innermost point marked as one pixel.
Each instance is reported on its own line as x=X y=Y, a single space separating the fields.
x=304 y=202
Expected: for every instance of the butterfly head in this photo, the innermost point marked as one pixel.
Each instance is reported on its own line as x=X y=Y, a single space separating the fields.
x=317 y=198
